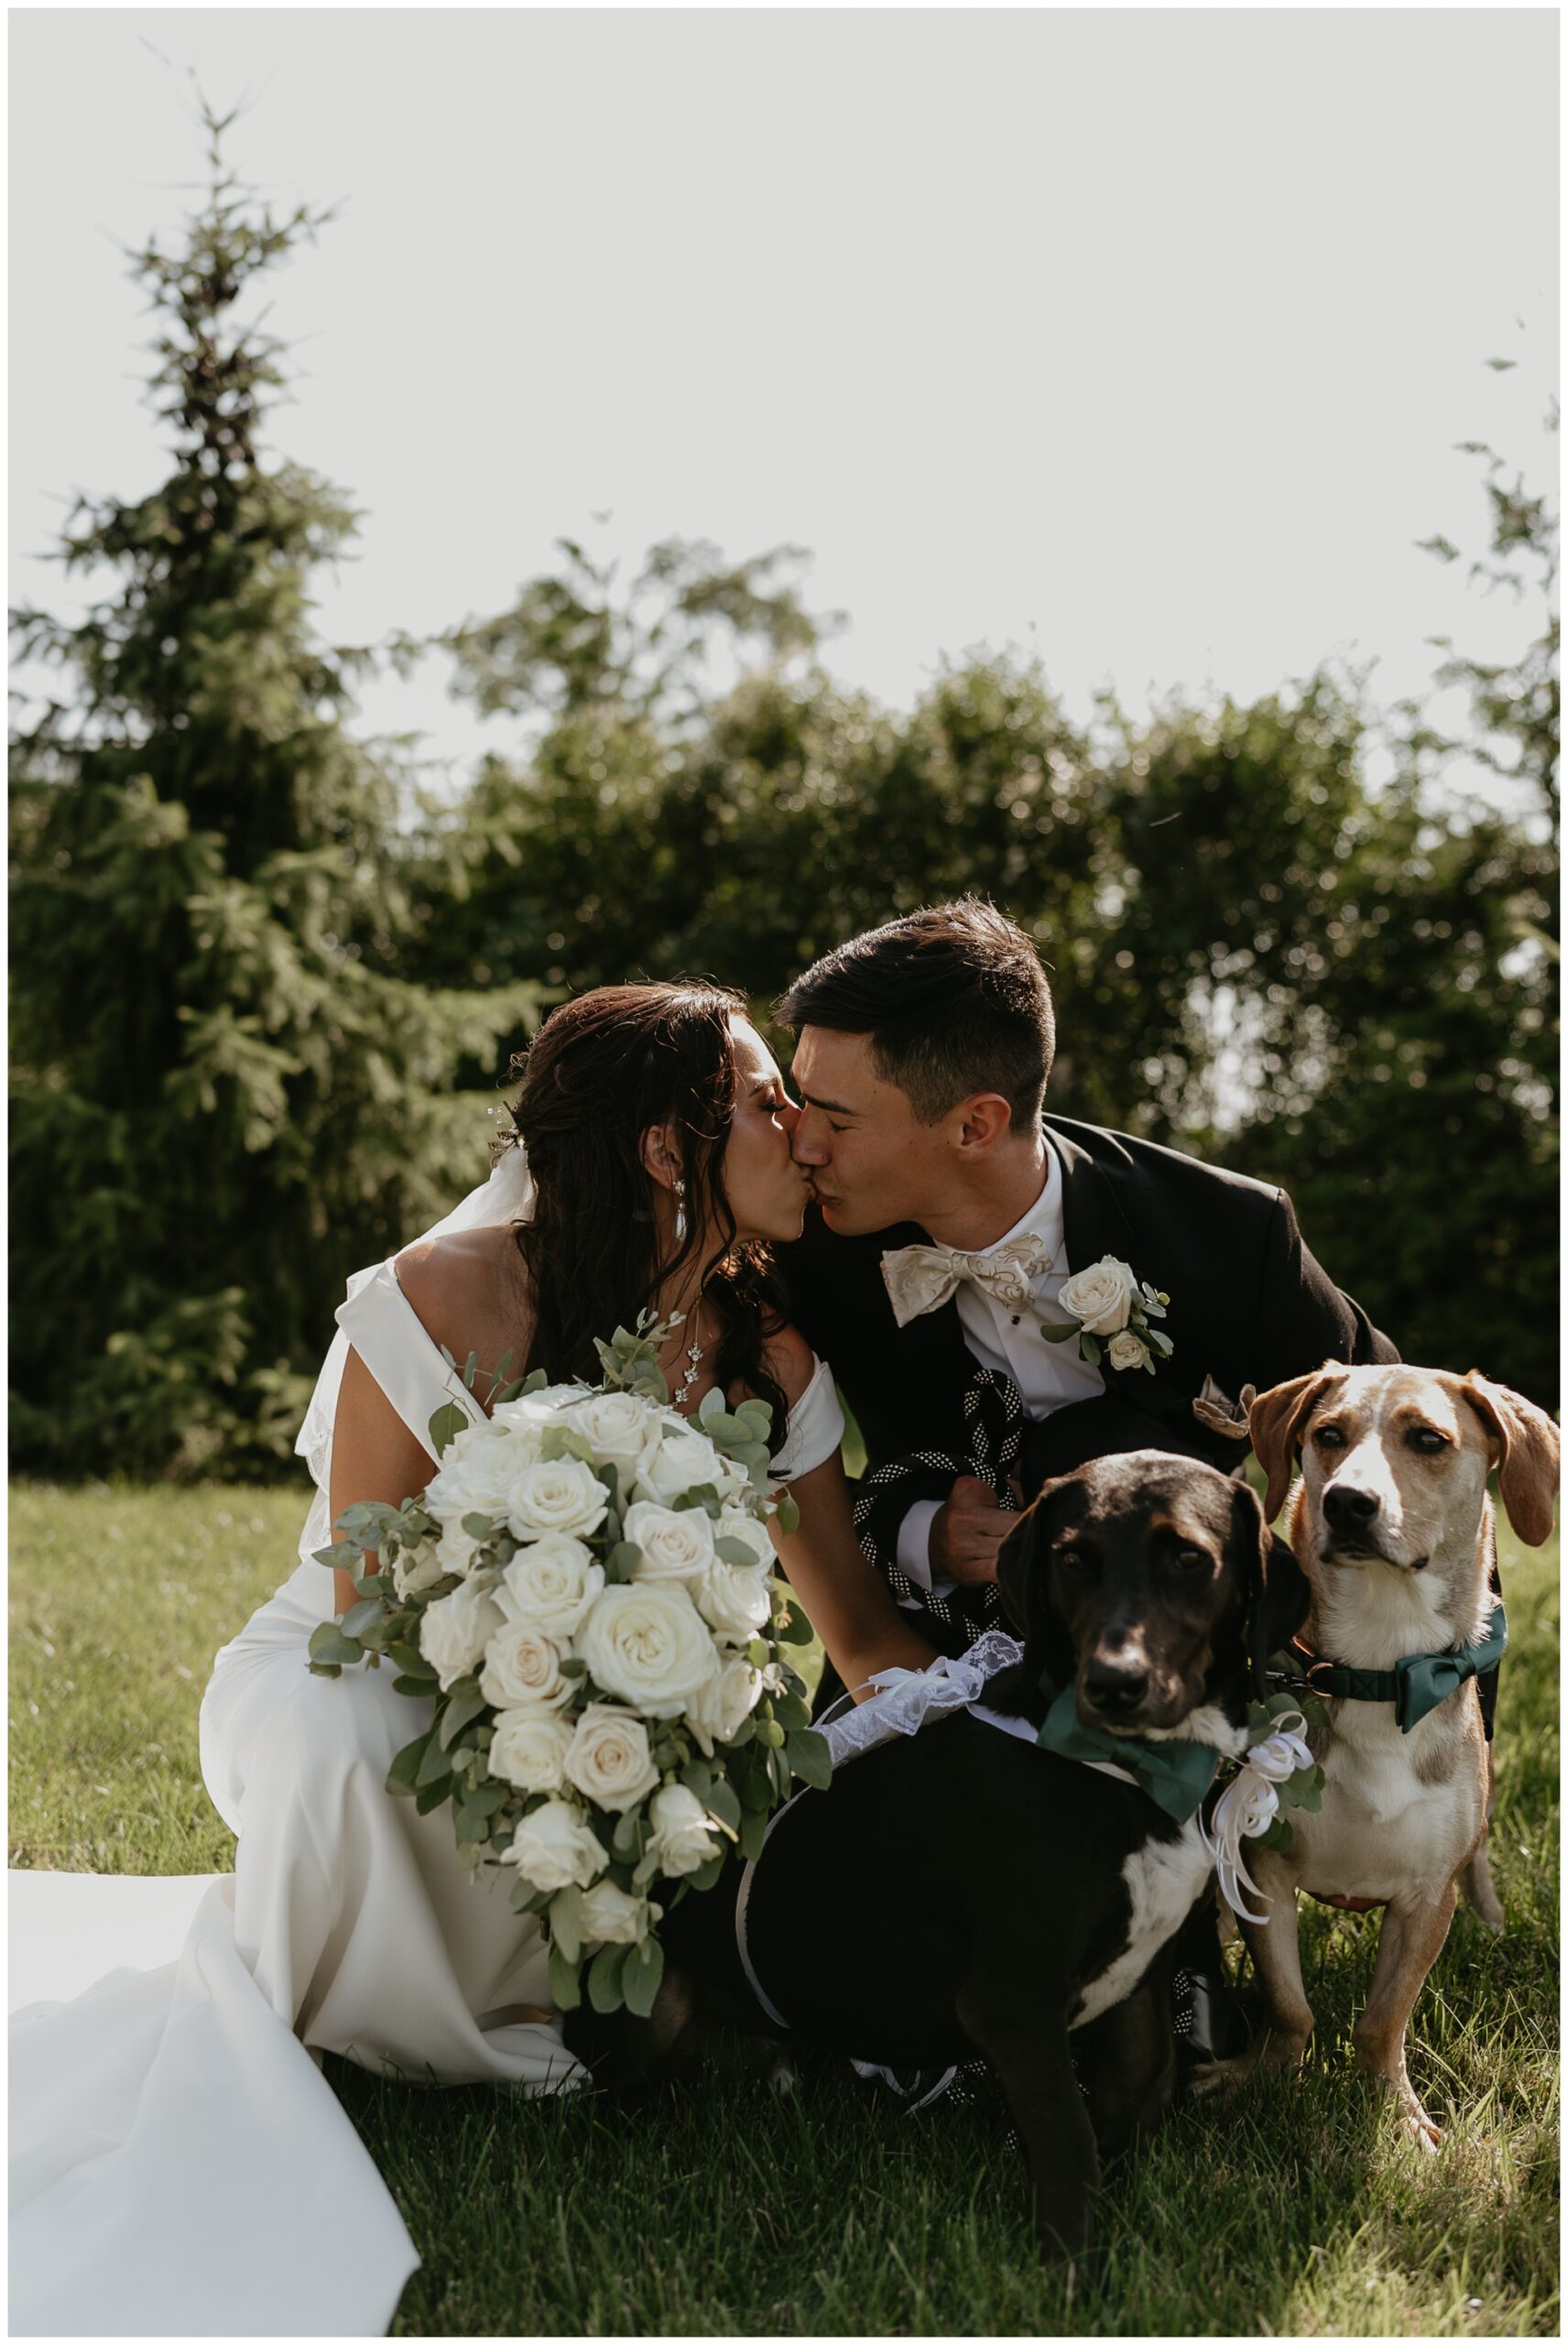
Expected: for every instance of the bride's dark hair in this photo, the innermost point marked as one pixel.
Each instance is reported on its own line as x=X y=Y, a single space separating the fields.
x=602 y=1069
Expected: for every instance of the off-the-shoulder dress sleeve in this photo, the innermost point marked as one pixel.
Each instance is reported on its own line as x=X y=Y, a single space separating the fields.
x=816 y=1427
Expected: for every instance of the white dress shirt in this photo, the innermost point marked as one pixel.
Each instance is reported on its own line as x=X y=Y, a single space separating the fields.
x=1048 y=1375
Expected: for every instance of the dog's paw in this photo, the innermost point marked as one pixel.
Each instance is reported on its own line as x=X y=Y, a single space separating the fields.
x=1423 y=2131
x=1209 y=2076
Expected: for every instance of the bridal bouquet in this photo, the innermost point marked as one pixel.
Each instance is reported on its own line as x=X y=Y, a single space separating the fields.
x=583 y=1588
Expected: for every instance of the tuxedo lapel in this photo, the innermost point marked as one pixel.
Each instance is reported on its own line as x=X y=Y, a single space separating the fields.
x=1093 y=1221
x=1094 y=1224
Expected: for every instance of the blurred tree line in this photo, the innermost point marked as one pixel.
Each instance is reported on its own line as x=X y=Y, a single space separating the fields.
x=264 y=993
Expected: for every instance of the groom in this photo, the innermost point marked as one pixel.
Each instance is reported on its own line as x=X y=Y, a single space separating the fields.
x=953 y=1221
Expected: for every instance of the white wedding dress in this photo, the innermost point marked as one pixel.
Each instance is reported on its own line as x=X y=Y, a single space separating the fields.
x=178 y=2165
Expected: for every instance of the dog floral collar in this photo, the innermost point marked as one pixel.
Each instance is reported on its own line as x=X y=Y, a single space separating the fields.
x=1111 y=1318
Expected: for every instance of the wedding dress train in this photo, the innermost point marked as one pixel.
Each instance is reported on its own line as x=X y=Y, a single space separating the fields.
x=178 y=2165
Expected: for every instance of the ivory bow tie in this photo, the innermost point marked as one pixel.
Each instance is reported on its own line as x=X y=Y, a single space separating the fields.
x=922 y=1278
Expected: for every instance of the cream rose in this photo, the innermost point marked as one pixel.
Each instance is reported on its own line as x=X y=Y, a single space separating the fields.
x=735 y=1602
x=536 y=1412
x=678 y=1546
x=528 y=1748
x=734 y=1522
x=618 y=1427
x=1128 y=1350
x=416 y=1568
x=613 y=1918
x=720 y=1704
x=609 y=1759
x=647 y=1644
x=522 y=1664
x=551 y=1583
x=682 y=1462
x=1101 y=1298
x=474 y=1476
x=454 y=1632
x=682 y=1835
x=555 y=1850
x=564 y=1494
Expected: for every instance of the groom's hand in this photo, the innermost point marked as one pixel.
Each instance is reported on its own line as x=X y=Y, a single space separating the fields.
x=966 y=1532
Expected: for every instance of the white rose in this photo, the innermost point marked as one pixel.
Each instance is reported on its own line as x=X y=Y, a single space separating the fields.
x=1128 y=1350
x=1101 y=1297
x=416 y=1568
x=617 y=1426
x=554 y=1849
x=682 y=1462
x=735 y=1602
x=455 y=1549
x=609 y=1759
x=683 y=1837
x=564 y=1496
x=718 y=1708
x=472 y=1477
x=454 y=1632
x=536 y=1412
x=734 y=1522
x=674 y=1547
x=613 y=1918
x=647 y=1644
x=551 y=1583
x=528 y=1748
x=521 y=1665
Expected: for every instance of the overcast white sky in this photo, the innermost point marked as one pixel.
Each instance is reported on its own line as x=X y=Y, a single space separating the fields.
x=1141 y=338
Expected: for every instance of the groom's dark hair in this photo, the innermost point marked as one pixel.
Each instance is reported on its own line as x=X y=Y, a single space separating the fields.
x=954 y=999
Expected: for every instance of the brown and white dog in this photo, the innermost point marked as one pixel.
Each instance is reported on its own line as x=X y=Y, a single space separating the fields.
x=1392 y=1525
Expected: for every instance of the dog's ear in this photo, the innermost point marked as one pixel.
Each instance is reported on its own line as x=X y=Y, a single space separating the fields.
x=1275 y=1422
x=1023 y=1578
x=1278 y=1595
x=1526 y=1451
x=1020 y=1568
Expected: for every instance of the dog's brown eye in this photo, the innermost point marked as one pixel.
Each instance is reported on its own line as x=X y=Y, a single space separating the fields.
x=1075 y=1559
x=1427 y=1439
x=1192 y=1559
x=1329 y=1437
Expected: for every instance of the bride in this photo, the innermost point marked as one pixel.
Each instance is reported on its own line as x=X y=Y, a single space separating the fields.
x=169 y=2129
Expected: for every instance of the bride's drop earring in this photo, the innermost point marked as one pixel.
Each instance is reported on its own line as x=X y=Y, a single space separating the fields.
x=679 y=1212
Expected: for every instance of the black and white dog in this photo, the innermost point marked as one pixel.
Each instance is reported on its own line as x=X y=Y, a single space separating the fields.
x=962 y=1888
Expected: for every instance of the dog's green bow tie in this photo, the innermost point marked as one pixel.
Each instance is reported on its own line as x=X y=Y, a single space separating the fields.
x=1421 y=1682
x=1174 y=1774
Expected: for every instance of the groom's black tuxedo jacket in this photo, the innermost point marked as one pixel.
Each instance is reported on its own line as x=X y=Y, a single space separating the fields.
x=1249 y=1306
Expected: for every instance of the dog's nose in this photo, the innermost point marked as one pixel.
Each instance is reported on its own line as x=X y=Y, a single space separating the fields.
x=1112 y=1689
x=1349 y=1510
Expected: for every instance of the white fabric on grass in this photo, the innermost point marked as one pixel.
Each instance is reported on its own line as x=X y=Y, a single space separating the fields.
x=179 y=2166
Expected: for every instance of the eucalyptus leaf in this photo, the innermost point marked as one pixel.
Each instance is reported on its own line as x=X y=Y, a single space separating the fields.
x=328 y=1643
x=1089 y=1346
x=640 y=1975
x=566 y=1922
x=459 y=1710
x=605 y=1978
x=358 y=1616
x=434 y=1767
x=1058 y=1334
x=565 y=1992
x=445 y=1425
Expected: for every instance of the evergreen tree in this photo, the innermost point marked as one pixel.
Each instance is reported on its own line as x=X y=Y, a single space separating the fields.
x=227 y=1089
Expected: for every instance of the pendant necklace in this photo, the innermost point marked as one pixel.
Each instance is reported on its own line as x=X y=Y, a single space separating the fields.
x=694 y=1355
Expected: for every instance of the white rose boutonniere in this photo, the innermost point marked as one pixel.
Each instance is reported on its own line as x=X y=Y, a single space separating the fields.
x=1112 y=1312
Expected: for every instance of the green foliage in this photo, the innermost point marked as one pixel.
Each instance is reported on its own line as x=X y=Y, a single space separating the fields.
x=227 y=1091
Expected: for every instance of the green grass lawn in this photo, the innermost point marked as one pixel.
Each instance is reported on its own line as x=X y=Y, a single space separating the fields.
x=1292 y=2210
